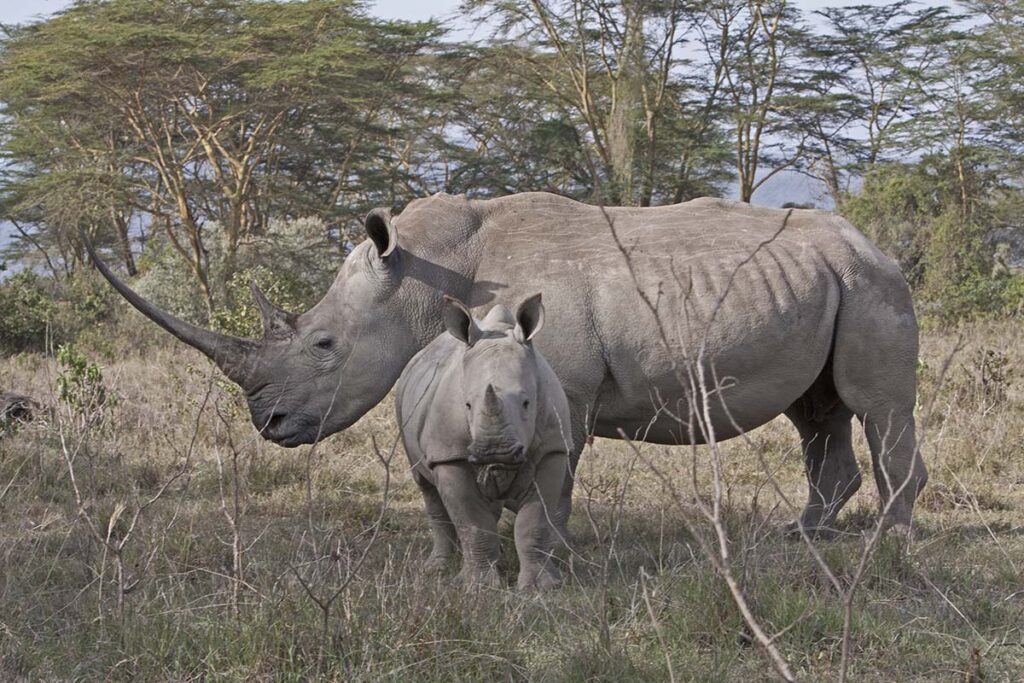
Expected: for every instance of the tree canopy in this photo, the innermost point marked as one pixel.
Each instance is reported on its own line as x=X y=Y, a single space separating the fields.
x=191 y=126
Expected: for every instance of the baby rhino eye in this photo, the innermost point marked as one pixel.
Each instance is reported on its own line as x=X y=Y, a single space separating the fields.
x=526 y=404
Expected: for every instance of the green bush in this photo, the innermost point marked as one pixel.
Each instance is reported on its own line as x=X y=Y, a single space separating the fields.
x=26 y=310
x=33 y=306
x=913 y=212
x=80 y=382
x=1013 y=295
x=293 y=262
x=168 y=283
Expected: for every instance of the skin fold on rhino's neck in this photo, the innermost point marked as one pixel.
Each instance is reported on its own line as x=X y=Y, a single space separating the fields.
x=408 y=306
x=410 y=312
x=429 y=273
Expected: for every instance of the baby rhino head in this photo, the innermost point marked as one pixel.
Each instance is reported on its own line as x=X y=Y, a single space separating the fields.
x=500 y=383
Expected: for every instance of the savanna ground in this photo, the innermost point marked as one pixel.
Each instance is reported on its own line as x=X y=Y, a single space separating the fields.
x=193 y=550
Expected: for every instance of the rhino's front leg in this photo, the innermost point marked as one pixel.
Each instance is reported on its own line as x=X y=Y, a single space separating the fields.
x=476 y=520
x=441 y=528
x=534 y=533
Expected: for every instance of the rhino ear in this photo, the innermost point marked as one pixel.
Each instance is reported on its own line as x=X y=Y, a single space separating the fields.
x=529 y=319
x=459 y=322
x=381 y=229
x=277 y=323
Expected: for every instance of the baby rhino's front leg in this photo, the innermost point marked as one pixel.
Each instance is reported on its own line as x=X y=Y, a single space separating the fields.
x=534 y=532
x=475 y=520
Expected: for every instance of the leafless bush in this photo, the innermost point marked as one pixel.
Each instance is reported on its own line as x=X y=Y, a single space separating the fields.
x=111 y=526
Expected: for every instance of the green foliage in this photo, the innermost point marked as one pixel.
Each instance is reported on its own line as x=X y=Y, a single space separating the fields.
x=244 y=111
x=915 y=214
x=166 y=280
x=25 y=312
x=33 y=306
x=80 y=383
x=293 y=262
x=243 y=319
x=1013 y=295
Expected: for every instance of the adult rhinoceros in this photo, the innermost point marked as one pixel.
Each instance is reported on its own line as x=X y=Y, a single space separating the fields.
x=788 y=311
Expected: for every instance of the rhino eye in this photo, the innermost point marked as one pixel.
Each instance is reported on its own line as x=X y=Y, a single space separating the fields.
x=325 y=344
x=469 y=407
x=526 y=404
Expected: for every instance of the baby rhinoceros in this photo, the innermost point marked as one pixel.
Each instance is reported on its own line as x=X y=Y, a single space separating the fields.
x=485 y=424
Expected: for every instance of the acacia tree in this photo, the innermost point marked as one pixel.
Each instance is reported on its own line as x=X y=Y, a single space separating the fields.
x=193 y=110
x=869 y=69
x=614 y=81
x=997 y=68
x=752 y=48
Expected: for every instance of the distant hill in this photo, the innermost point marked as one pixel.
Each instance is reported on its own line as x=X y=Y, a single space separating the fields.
x=791 y=187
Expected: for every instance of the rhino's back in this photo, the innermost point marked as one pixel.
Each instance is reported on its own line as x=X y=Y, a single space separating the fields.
x=697 y=229
x=754 y=291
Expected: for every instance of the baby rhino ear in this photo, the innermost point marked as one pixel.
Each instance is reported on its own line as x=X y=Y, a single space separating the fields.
x=529 y=319
x=459 y=322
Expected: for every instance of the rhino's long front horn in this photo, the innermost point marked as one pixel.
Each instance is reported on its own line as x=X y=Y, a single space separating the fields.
x=231 y=354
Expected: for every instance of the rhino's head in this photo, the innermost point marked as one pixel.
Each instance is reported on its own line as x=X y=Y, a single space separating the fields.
x=499 y=378
x=314 y=373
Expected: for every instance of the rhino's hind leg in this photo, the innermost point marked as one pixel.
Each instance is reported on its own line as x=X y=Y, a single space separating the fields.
x=899 y=470
x=833 y=477
x=563 y=509
x=445 y=539
x=875 y=374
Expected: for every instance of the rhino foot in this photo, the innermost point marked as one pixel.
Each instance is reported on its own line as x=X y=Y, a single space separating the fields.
x=541 y=581
x=488 y=578
x=437 y=564
x=817 y=533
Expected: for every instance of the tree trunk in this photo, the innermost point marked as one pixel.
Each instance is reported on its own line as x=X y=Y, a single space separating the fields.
x=124 y=242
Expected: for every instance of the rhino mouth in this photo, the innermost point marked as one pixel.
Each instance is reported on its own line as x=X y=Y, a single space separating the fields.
x=512 y=456
x=283 y=430
x=291 y=440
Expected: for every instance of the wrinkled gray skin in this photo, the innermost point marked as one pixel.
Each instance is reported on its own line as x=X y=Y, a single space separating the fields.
x=792 y=311
x=485 y=424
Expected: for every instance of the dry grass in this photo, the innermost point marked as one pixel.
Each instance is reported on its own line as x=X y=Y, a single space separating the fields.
x=257 y=563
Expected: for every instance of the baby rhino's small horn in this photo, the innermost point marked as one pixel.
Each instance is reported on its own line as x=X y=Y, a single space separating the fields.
x=492 y=405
